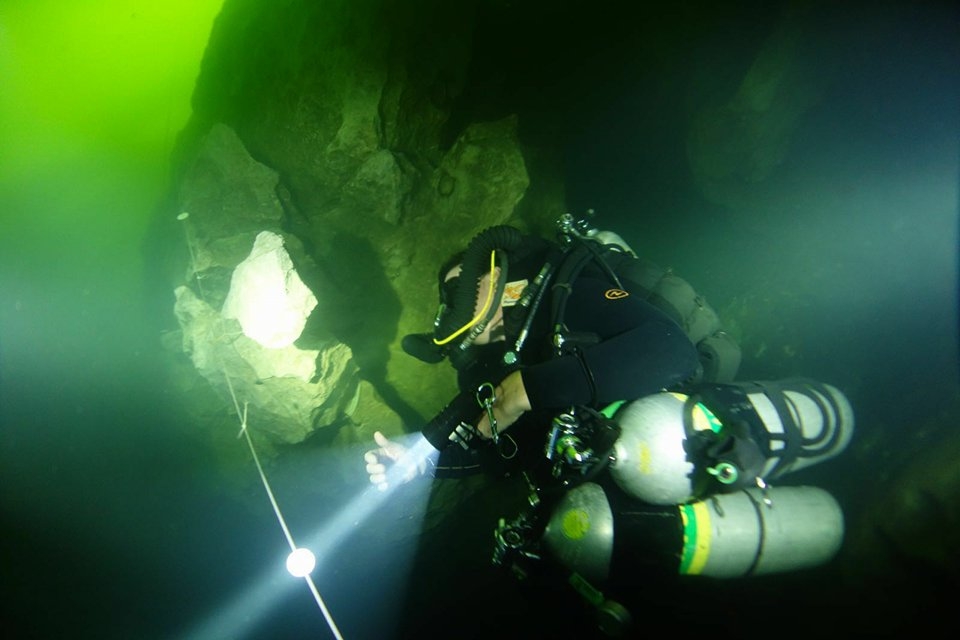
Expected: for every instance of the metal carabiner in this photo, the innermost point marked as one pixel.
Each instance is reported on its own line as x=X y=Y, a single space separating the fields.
x=486 y=396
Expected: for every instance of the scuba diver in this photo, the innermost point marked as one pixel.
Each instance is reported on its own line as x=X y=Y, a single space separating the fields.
x=608 y=385
x=593 y=345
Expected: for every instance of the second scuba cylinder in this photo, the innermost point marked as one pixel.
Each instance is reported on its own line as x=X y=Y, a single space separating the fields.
x=755 y=533
x=750 y=532
x=675 y=447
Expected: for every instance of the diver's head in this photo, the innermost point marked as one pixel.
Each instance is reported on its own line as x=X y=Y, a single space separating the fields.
x=486 y=324
x=461 y=322
x=473 y=291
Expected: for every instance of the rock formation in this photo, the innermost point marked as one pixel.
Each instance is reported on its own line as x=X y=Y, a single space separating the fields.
x=334 y=143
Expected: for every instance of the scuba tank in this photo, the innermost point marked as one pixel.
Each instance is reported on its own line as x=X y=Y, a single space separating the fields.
x=696 y=464
x=681 y=491
x=717 y=438
x=671 y=449
x=750 y=532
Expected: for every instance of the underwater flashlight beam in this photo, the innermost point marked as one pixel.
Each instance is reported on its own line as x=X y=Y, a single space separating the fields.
x=233 y=620
x=333 y=533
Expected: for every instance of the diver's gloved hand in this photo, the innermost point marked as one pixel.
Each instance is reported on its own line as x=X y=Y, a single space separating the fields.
x=389 y=462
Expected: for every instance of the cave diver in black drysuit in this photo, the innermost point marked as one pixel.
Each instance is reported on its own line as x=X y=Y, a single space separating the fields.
x=609 y=384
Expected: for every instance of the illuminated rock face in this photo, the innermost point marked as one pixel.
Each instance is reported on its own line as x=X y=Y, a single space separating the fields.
x=245 y=310
x=290 y=392
x=267 y=296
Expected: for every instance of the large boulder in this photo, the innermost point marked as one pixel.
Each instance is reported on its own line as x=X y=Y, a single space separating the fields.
x=243 y=307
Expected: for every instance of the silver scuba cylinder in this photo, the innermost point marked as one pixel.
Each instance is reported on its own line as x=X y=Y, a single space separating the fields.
x=791 y=424
x=750 y=532
x=755 y=532
x=580 y=532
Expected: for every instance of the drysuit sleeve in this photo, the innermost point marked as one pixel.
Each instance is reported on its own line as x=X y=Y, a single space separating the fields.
x=637 y=350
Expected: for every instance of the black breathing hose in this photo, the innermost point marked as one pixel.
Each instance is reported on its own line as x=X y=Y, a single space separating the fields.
x=476 y=261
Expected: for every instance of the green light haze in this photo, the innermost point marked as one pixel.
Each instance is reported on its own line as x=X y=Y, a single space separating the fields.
x=93 y=94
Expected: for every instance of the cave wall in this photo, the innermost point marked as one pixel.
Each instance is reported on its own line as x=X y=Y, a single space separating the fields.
x=349 y=104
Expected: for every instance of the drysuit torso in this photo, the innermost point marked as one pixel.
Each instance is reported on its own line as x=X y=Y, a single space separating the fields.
x=616 y=346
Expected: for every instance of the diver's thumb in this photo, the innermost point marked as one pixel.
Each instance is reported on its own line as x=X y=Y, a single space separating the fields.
x=380 y=439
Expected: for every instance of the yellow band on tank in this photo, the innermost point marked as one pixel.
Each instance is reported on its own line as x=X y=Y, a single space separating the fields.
x=703 y=418
x=696 y=538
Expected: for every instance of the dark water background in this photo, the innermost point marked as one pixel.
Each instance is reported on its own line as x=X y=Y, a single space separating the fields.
x=116 y=524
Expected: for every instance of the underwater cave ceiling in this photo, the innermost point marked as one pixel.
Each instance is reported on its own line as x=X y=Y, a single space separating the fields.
x=377 y=137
